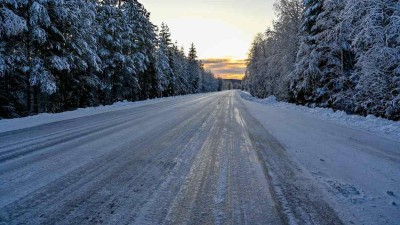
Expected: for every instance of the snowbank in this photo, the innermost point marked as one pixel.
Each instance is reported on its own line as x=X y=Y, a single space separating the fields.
x=383 y=127
x=43 y=118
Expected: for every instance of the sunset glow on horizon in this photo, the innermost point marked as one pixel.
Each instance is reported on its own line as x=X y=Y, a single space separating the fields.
x=226 y=68
x=222 y=30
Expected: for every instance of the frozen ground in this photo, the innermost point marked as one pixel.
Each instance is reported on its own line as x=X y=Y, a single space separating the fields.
x=43 y=118
x=355 y=159
x=201 y=159
x=383 y=127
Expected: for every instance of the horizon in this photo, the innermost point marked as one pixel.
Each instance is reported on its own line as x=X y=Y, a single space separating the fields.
x=221 y=30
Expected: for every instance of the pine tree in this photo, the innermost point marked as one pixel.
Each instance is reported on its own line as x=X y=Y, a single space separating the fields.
x=108 y=19
x=193 y=70
x=348 y=56
x=257 y=65
x=180 y=64
x=305 y=79
x=80 y=86
x=45 y=49
x=273 y=53
x=377 y=45
x=59 y=55
x=336 y=58
x=162 y=68
x=13 y=28
x=143 y=41
x=165 y=41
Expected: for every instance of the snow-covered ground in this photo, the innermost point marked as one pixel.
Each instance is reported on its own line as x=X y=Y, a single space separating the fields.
x=186 y=160
x=323 y=167
x=383 y=127
x=356 y=160
x=44 y=118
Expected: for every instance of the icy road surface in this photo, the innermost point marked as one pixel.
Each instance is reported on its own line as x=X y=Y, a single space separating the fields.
x=200 y=159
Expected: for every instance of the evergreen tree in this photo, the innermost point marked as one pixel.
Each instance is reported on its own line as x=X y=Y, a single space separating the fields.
x=162 y=68
x=61 y=55
x=78 y=88
x=347 y=59
x=116 y=42
x=273 y=53
x=166 y=44
x=305 y=79
x=256 y=77
x=336 y=57
x=193 y=70
x=180 y=70
x=139 y=44
x=375 y=34
x=13 y=83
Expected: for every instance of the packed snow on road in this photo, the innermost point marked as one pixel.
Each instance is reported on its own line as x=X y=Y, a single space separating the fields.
x=217 y=158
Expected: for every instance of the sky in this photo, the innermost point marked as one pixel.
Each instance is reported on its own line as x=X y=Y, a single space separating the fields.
x=222 y=30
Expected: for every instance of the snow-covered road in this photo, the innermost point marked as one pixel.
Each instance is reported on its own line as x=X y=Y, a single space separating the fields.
x=201 y=159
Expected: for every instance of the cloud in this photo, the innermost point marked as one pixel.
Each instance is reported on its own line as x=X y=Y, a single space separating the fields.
x=226 y=68
x=215 y=61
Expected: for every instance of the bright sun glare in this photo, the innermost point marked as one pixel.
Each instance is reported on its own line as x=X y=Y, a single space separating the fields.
x=218 y=38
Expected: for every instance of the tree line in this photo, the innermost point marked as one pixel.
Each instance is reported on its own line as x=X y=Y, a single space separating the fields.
x=342 y=54
x=58 y=55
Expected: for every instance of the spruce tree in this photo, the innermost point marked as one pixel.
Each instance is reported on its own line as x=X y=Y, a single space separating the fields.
x=336 y=57
x=142 y=42
x=305 y=79
x=180 y=70
x=61 y=55
x=193 y=70
x=162 y=68
x=13 y=59
x=165 y=42
x=375 y=34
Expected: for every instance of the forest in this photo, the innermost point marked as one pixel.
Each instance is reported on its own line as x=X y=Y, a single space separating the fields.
x=341 y=54
x=58 y=55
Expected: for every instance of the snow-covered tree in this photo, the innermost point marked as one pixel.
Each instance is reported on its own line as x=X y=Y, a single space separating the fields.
x=141 y=40
x=13 y=83
x=46 y=21
x=58 y=55
x=376 y=42
x=324 y=63
x=193 y=70
x=336 y=57
x=209 y=83
x=256 y=75
x=305 y=79
x=165 y=41
x=162 y=67
x=180 y=64
x=347 y=56
x=81 y=84
x=273 y=53
x=11 y=23
x=109 y=19
x=126 y=40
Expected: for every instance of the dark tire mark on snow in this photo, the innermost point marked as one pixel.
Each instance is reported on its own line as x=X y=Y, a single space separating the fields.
x=301 y=201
